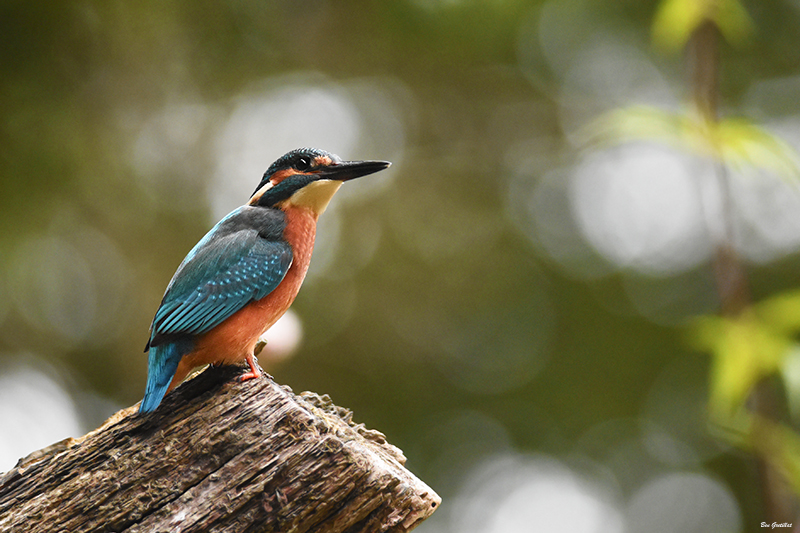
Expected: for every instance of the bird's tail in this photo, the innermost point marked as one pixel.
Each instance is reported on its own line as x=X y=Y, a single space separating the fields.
x=161 y=366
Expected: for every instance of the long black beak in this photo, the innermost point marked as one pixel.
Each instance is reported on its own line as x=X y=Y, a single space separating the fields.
x=350 y=170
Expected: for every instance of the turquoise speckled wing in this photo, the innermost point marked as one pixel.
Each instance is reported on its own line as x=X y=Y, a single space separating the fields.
x=221 y=275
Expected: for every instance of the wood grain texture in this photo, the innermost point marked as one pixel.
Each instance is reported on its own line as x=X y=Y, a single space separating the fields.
x=219 y=456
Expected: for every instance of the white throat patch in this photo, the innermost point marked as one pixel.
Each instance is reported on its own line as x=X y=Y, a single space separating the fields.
x=316 y=195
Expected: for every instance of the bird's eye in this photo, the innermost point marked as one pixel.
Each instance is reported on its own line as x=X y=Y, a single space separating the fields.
x=302 y=163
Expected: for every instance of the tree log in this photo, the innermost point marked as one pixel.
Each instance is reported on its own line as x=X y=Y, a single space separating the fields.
x=219 y=455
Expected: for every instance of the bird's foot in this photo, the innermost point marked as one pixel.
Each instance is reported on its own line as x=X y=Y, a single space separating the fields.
x=255 y=371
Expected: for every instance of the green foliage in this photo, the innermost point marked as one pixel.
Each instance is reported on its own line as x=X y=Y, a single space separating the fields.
x=760 y=342
x=736 y=141
x=677 y=20
x=746 y=349
x=741 y=142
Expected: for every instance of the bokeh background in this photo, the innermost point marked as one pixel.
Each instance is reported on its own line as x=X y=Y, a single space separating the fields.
x=514 y=303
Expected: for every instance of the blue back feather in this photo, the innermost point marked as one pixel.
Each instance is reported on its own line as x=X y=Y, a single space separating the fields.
x=224 y=272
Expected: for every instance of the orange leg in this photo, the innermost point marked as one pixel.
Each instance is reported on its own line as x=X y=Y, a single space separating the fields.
x=255 y=372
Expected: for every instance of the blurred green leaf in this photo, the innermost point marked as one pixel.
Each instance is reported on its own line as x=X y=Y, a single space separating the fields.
x=745 y=350
x=781 y=312
x=743 y=143
x=758 y=343
x=677 y=20
x=639 y=123
x=733 y=21
x=735 y=141
x=790 y=373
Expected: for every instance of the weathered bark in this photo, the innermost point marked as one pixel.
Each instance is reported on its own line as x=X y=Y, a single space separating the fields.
x=219 y=455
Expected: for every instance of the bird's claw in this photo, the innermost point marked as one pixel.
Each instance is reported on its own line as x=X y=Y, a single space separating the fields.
x=255 y=370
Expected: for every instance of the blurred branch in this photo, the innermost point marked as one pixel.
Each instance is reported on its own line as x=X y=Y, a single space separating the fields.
x=730 y=275
x=223 y=456
x=703 y=57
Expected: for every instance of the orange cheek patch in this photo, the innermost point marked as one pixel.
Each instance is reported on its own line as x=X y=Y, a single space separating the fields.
x=281 y=175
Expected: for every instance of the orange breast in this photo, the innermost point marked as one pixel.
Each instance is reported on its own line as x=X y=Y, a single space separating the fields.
x=236 y=337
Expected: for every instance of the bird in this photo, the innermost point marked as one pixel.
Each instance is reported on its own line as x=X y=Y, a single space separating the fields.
x=243 y=275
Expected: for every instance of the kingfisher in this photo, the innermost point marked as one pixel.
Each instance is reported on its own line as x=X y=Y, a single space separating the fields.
x=243 y=275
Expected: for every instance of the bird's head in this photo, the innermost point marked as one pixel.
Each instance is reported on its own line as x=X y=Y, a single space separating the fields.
x=308 y=178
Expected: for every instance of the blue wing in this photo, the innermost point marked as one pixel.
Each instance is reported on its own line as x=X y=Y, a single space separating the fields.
x=221 y=275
